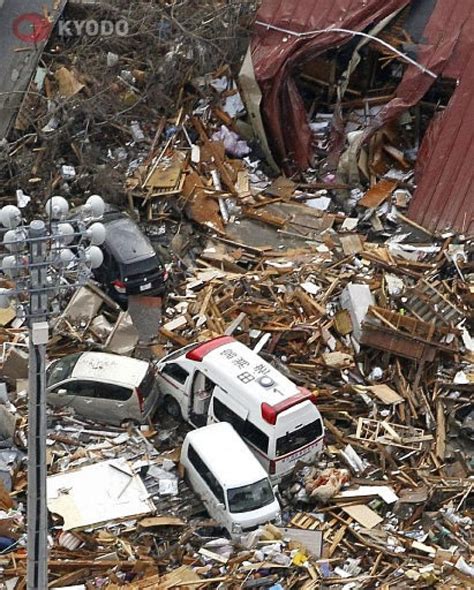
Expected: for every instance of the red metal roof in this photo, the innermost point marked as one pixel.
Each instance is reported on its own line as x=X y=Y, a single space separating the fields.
x=444 y=197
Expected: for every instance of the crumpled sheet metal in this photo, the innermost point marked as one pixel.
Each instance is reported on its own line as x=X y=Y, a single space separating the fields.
x=443 y=199
x=276 y=54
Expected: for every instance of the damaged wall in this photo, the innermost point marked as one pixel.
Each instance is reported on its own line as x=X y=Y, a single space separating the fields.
x=443 y=197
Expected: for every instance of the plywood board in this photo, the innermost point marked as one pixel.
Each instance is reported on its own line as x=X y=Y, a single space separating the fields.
x=364 y=515
x=386 y=394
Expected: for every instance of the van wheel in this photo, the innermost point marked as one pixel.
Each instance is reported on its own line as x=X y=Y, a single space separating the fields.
x=172 y=408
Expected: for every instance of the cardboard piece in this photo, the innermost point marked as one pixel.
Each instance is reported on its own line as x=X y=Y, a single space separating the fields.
x=364 y=515
x=99 y=493
x=311 y=540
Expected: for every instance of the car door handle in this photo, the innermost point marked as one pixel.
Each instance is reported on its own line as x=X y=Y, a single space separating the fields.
x=88 y=401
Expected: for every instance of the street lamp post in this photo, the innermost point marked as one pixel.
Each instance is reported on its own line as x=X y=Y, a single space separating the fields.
x=40 y=255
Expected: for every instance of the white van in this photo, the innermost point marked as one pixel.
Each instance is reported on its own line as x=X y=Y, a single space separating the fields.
x=232 y=484
x=223 y=380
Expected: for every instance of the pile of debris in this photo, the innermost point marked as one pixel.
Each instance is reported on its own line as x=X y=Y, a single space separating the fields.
x=329 y=281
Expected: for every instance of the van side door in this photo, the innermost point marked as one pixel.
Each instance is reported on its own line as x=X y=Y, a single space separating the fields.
x=201 y=392
x=77 y=394
x=207 y=487
x=115 y=404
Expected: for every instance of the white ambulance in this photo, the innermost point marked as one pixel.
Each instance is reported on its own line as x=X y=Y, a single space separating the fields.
x=224 y=381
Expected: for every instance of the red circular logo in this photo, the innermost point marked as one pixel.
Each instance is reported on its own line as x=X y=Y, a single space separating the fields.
x=31 y=27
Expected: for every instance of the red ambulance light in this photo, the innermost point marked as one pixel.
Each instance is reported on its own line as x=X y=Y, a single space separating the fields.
x=270 y=413
x=272 y=467
x=198 y=353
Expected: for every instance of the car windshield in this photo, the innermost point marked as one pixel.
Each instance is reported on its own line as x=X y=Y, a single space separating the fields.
x=251 y=497
x=61 y=369
x=295 y=439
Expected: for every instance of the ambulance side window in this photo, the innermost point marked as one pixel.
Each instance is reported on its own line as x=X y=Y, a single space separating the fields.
x=176 y=372
x=224 y=414
x=255 y=436
x=245 y=428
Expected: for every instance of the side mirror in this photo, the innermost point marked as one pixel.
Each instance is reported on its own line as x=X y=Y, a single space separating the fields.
x=275 y=490
x=62 y=391
x=221 y=506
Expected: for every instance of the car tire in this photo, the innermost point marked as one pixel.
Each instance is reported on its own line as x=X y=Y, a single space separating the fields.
x=172 y=408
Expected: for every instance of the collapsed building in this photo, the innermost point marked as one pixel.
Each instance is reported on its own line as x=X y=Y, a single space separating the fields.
x=401 y=69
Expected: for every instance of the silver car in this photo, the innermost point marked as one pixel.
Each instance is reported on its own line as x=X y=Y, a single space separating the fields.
x=104 y=387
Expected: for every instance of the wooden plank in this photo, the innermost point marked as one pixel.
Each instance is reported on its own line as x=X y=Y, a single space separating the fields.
x=179 y=340
x=351 y=244
x=385 y=394
x=155 y=521
x=440 y=430
x=343 y=322
x=341 y=531
x=232 y=327
x=379 y=193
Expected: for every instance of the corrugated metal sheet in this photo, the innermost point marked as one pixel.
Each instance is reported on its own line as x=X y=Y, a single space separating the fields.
x=444 y=197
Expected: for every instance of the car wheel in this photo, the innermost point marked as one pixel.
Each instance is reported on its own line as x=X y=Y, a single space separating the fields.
x=172 y=408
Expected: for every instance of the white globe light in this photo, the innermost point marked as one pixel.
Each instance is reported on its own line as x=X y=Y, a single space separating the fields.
x=14 y=240
x=96 y=205
x=57 y=207
x=67 y=256
x=9 y=265
x=96 y=234
x=66 y=233
x=10 y=216
x=4 y=298
x=94 y=256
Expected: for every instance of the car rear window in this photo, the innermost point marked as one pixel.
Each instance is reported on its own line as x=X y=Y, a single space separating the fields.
x=148 y=383
x=294 y=440
x=61 y=369
x=141 y=267
x=127 y=242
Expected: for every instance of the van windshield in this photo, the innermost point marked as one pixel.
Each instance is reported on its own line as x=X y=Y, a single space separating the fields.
x=251 y=497
x=295 y=439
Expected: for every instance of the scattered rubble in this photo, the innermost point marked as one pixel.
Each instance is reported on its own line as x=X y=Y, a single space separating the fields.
x=326 y=277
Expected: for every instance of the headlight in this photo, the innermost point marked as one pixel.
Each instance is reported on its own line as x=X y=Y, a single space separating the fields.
x=278 y=520
x=236 y=528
